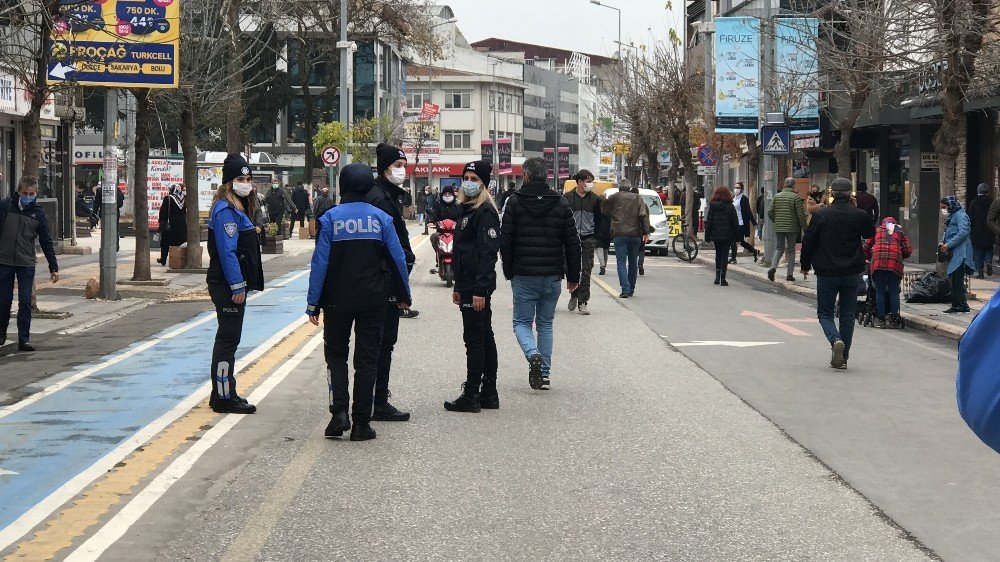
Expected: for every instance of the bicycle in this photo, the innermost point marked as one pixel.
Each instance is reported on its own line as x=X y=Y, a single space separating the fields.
x=685 y=247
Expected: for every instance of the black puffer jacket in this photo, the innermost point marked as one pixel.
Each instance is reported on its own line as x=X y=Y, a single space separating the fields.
x=721 y=222
x=832 y=243
x=979 y=210
x=477 y=241
x=538 y=237
x=389 y=198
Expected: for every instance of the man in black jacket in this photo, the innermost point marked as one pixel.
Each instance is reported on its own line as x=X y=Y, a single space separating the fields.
x=539 y=245
x=586 y=207
x=387 y=195
x=832 y=246
x=22 y=221
x=300 y=198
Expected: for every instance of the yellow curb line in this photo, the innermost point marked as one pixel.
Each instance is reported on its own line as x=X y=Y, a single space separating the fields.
x=605 y=286
x=73 y=522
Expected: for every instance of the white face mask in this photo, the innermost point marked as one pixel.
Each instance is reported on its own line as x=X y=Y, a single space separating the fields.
x=398 y=176
x=448 y=198
x=589 y=186
x=242 y=189
x=739 y=191
x=944 y=212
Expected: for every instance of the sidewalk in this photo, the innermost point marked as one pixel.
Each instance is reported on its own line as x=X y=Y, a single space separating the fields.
x=65 y=310
x=927 y=317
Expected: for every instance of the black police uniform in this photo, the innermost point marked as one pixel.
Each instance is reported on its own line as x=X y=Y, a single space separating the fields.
x=477 y=242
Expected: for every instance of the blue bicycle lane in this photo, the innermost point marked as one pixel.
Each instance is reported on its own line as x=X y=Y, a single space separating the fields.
x=49 y=442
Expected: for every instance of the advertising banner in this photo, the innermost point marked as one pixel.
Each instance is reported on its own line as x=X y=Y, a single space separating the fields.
x=116 y=43
x=563 y=162
x=162 y=174
x=487 y=147
x=505 y=151
x=737 y=75
x=797 y=72
x=548 y=155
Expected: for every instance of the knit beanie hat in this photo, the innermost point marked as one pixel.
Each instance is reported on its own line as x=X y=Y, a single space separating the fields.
x=356 y=178
x=385 y=155
x=234 y=167
x=983 y=189
x=481 y=168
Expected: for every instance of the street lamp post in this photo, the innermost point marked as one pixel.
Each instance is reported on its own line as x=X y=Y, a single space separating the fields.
x=496 y=133
x=619 y=157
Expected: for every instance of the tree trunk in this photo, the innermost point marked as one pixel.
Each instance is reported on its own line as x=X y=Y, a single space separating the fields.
x=39 y=91
x=690 y=180
x=652 y=169
x=189 y=148
x=309 y=113
x=842 y=151
x=234 y=113
x=141 y=173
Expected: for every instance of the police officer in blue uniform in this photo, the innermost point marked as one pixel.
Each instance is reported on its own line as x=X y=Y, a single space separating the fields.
x=234 y=269
x=357 y=266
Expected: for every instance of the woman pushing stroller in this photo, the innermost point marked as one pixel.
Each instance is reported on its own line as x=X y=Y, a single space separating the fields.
x=887 y=250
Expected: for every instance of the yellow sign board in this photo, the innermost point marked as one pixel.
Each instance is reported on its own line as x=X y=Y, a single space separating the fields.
x=117 y=43
x=675 y=220
x=621 y=148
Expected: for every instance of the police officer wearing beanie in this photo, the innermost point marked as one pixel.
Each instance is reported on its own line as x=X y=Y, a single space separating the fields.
x=477 y=241
x=358 y=265
x=234 y=269
x=387 y=196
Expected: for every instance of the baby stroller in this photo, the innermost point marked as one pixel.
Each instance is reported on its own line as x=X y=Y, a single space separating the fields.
x=868 y=307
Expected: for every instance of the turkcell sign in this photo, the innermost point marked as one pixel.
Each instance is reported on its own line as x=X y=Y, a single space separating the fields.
x=797 y=73
x=116 y=43
x=737 y=75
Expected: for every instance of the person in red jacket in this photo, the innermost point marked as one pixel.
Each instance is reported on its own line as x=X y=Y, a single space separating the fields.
x=887 y=250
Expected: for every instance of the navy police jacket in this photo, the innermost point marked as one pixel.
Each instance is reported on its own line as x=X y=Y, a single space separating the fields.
x=477 y=241
x=978 y=381
x=358 y=262
x=233 y=249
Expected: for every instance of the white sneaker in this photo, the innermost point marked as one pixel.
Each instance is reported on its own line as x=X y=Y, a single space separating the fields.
x=583 y=309
x=572 y=303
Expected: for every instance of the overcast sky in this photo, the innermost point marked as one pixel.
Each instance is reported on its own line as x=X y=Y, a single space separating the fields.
x=569 y=24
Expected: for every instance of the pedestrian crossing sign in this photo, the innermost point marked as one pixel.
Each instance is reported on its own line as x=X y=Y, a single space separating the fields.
x=776 y=140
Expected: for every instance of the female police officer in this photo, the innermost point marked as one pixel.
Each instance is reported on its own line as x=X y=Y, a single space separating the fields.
x=234 y=269
x=477 y=241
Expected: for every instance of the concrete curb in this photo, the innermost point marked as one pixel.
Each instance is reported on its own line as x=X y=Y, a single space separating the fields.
x=919 y=322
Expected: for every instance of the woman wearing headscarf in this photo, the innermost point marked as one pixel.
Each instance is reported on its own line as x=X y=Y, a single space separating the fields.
x=234 y=270
x=173 y=222
x=477 y=241
x=887 y=250
x=956 y=247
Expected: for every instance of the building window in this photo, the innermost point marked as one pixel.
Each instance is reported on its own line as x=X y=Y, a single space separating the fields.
x=519 y=104
x=510 y=103
x=364 y=81
x=493 y=99
x=458 y=100
x=458 y=140
x=517 y=142
x=416 y=100
x=500 y=98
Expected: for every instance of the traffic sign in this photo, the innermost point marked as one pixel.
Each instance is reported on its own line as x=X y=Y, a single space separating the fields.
x=116 y=43
x=622 y=148
x=331 y=155
x=663 y=157
x=776 y=140
x=708 y=170
x=707 y=156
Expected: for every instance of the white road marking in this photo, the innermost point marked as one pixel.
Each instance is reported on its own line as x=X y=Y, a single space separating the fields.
x=5 y=472
x=74 y=486
x=115 y=528
x=725 y=343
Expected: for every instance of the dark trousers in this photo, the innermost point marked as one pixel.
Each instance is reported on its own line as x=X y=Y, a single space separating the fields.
x=827 y=291
x=742 y=241
x=299 y=215
x=480 y=345
x=227 y=339
x=721 y=257
x=886 y=292
x=367 y=323
x=25 y=280
x=390 y=333
x=958 y=292
x=589 y=244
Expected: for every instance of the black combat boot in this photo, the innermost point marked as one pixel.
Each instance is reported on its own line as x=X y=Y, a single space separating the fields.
x=362 y=432
x=468 y=401
x=338 y=424
x=489 y=398
x=388 y=412
x=231 y=406
x=718 y=276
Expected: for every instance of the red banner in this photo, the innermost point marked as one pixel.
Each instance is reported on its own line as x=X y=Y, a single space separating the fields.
x=505 y=151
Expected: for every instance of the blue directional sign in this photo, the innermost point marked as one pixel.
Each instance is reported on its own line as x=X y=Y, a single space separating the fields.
x=775 y=141
x=116 y=43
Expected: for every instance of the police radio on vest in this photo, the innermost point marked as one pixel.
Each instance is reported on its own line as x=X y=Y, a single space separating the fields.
x=354 y=226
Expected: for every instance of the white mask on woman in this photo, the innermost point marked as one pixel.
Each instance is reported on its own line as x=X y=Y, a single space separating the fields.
x=447 y=198
x=242 y=188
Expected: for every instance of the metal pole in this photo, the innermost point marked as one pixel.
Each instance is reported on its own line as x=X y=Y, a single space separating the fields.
x=767 y=162
x=72 y=180
x=109 y=200
x=345 y=87
x=709 y=83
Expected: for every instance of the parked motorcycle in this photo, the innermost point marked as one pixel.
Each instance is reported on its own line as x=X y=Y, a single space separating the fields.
x=443 y=251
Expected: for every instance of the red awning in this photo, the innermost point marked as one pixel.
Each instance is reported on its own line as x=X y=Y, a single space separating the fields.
x=443 y=169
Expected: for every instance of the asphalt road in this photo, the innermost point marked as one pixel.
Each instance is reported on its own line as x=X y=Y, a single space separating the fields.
x=636 y=453
x=889 y=426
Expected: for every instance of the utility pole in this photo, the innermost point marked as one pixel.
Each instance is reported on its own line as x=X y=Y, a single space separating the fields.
x=109 y=200
x=768 y=163
x=709 y=82
x=346 y=51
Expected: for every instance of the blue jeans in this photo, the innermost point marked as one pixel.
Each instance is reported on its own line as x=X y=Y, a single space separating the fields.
x=535 y=300
x=827 y=291
x=982 y=256
x=886 y=292
x=25 y=279
x=627 y=255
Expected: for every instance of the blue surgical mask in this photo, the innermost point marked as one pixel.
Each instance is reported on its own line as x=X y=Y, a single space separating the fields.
x=471 y=188
x=27 y=200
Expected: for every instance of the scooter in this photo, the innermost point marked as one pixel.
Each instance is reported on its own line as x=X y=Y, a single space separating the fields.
x=443 y=251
